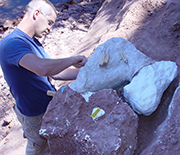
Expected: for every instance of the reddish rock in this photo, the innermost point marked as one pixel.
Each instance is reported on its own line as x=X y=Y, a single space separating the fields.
x=70 y=129
x=167 y=139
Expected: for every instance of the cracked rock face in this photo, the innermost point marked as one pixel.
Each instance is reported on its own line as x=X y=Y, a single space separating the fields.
x=70 y=128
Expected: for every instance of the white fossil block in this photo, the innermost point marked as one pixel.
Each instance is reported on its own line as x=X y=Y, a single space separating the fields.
x=146 y=89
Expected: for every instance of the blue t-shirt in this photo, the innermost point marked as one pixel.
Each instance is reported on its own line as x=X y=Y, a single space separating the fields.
x=28 y=89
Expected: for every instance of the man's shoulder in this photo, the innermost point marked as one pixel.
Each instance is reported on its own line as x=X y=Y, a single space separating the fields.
x=13 y=37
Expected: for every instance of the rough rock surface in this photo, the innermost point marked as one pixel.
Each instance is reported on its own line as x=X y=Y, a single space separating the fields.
x=146 y=89
x=70 y=129
x=93 y=77
x=148 y=79
x=151 y=25
x=166 y=139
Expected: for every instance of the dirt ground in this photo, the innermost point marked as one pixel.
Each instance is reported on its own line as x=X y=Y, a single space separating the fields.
x=151 y=25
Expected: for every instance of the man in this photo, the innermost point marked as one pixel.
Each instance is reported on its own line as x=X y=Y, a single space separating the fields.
x=27 y=69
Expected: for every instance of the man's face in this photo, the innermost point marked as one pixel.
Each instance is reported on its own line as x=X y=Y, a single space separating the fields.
x=44 y=23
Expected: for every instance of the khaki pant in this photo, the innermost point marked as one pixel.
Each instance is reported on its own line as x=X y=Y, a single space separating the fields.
x=36 y=145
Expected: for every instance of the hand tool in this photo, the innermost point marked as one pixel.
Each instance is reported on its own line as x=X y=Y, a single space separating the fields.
x=104 y=58
x=52 y=92
x=124 y=57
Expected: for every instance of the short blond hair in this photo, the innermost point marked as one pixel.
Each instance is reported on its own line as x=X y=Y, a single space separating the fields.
x=38 y=4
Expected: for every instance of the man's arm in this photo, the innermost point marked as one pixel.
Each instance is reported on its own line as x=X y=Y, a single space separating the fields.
x=67 y=74
x=50 y=67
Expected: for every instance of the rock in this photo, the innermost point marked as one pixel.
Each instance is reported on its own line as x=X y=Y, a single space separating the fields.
x=73 y=2
x=8 y=131
x=7 y=118
x=8 y=23
x=93 y=77
x=70 y=128
x=166 y=139
x=7 y=32
x=7 y=122
x=65 y=16
x=1 y=29
x=6 y=141
x=146 y=88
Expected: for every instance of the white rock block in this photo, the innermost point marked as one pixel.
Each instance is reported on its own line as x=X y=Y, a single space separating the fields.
x=93 y=77
x=146 y=89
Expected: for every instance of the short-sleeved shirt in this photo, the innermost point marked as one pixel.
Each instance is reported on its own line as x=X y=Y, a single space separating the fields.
x=28 y=89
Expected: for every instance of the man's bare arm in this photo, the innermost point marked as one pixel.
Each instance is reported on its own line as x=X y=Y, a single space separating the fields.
x=50 y=67
x=67 y=74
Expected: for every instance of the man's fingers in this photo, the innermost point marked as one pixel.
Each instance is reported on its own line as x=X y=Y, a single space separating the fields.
x=80 y=61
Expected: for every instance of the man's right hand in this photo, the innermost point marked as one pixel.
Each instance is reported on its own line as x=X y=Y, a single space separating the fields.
x=79 y=61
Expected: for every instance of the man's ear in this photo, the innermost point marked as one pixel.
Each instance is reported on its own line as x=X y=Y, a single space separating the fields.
x=36 y=14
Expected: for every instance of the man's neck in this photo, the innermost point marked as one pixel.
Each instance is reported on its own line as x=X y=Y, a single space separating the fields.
x=26 y=26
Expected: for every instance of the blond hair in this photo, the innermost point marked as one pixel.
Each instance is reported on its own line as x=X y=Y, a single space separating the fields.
x=39 y=4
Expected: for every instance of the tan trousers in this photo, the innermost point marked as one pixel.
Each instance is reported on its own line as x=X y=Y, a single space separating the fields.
x=36 y=144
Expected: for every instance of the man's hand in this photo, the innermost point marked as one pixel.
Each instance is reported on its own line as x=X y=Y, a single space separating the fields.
x=79 y=61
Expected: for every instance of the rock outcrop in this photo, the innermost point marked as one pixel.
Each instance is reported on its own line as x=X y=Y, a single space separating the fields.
x=166 y=139
x=69 y=126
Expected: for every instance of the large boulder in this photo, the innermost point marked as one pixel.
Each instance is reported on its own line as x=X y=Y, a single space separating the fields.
x=148 y=79
x=166 y=138
x=93 y=77
x=71 y=128
x=147 y=87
